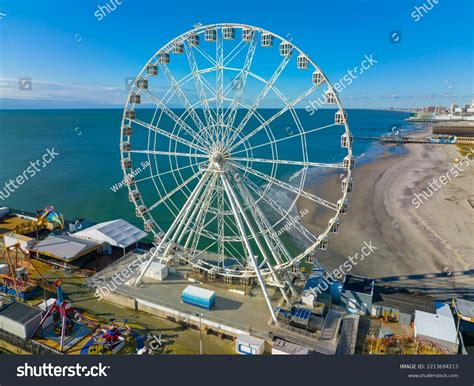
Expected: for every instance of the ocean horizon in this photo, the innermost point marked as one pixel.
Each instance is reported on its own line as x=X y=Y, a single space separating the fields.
x=82 y=181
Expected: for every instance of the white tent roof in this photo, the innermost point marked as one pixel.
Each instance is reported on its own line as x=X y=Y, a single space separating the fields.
x=117 y=233
x=435 y=326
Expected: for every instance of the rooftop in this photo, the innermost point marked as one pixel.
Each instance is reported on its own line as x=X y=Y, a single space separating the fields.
x=118 y=233
x=65 y=247
x=19 y=312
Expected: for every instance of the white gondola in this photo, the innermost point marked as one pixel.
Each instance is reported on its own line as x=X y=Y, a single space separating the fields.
x=129 y=180
x=163 y=57
x=228 y=33
x=193 y=40
x=134 y=195
x=125 y=146
x=330 y=96
x=318 y=77
x=267 y=40
x=347 y=184
x=126 y=131
x=247 y=34
x=127 y=163
x=342 y=205
x=335 y=225
x=135 y=98
x=285 y=49
x=157 y=238
x=178 y=48
x=140 y=210
x=340 y=117
x=152 y=69
x=148 y=225
x=346 y=140
x=130 y=114
x=323 y=244
x=309 y=258
x=142 y=83
x=210 y=34
x=302 y=62
x=348 y=162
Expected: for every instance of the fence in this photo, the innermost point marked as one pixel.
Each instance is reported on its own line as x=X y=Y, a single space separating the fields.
x=29 y=345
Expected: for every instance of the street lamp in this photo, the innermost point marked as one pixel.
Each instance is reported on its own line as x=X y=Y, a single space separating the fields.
x=200 y=332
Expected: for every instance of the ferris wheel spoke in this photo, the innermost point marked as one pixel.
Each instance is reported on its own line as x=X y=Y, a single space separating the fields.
x=277 y=248
x=203 y=204
x=233 y=53
x=184 y=99
x=176 y=222
x=285 y=138
x=168 y=172
x=242 y=79
x=235 y=252
x=288 y=162
x=219 y=80
x=199 y=84
x=262 y=223
x=287 y=186
x=290 y=105
x=169 y=153
x=205 y=55
x=260 y=97
x=238 y=209
x=194 y=134
x=277 y=208
x=174 y=191
x=169 y=135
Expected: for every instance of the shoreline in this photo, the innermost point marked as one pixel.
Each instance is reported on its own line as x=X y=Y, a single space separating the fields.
x=427 y=249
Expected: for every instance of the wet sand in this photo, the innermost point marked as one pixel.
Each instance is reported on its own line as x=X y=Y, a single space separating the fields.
x=429 y=249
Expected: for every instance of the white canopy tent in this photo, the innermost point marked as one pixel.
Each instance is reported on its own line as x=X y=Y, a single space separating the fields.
x=117 y=233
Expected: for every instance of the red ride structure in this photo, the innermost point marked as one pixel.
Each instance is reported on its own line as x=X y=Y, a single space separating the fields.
x=65 y=316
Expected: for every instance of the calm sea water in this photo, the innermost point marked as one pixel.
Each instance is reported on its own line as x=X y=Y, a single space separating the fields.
x=77 y=182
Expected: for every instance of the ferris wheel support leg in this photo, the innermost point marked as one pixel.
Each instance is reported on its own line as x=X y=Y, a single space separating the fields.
x=179 y=217
x=235 y=204
x=259 y=244
x=207 y=192
x=259 y=214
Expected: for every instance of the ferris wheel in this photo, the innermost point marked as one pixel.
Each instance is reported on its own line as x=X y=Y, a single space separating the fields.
x=217 y=149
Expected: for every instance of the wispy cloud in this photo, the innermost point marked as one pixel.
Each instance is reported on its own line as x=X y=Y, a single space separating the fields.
x=42 y=90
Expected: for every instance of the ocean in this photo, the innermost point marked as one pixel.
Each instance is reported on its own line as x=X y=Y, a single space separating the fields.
x=78 y=179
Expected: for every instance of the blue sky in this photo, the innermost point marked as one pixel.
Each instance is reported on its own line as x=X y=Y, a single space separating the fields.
x=74 y=60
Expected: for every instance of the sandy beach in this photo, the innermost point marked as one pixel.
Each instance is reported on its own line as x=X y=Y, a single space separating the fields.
x=429 y=248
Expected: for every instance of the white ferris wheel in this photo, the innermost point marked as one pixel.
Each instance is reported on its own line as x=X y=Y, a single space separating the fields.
x=213 y=137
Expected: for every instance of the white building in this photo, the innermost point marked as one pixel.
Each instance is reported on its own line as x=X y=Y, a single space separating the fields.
x=20 y=319
x=437 y=328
